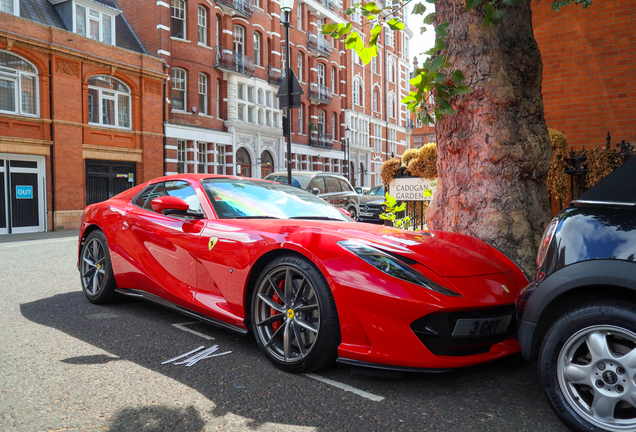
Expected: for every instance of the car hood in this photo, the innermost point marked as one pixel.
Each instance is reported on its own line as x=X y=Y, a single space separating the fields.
x=445 y=253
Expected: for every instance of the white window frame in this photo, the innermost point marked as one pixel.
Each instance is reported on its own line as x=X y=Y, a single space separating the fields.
x=358 y=90
x=321 y=73
x=184 y=88
x=392 y=105
x=202 y=25
x=333 y=125
x=100 y=18
x=180 y=7
x=238 y=39
x=257 y=49
x=182 y=149
x=203 y=93
x=299 y=16
x=115 y=98
x=15 y=75
x=391 y=69
x=390 y=37
x=220 y=159
x=15 y=7
x=300 y=66
x=300 y=119
x=333 y=79
x=202 y=157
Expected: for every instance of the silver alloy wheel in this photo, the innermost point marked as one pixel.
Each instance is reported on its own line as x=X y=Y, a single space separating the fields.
x=596 y=370
x=93 y=266
x=287 y=314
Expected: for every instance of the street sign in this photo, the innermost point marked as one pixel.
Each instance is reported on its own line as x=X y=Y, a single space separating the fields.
x=297 y=91
x=412 y=189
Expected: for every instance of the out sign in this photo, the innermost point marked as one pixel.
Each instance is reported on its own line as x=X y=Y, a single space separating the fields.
x=24 y=192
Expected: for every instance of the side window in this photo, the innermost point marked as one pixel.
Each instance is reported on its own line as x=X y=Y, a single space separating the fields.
x=319 y=183
x=179 y=189
x=333 y=185
x=141 y=199
x=345 y=186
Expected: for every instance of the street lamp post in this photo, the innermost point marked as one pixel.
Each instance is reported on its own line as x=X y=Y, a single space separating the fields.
x=286 y=6
x=346 y=150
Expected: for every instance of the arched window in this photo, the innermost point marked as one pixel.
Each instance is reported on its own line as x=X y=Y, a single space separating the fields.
x=261 y=116
x=18 y=85
x=376 y=100
x=321 y=74
x=391 y=105
x=333 y=79
x=261 y=97
x=108 y=102
x=391 y=69
x=239 y=39
x=267 y=164
x=179 y=86
x=244 y=163
x=321 y=122
x=178 y=19
x=217 y=31
x=300 y=66
x=203 y=25
x=257 y=49
x=203 y=93
x=357 y=91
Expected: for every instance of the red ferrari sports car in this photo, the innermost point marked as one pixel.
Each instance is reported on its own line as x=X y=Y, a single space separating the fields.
x=312 y=285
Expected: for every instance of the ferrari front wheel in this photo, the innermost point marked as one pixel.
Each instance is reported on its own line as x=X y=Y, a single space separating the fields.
x=294 y=316
x=98 y=281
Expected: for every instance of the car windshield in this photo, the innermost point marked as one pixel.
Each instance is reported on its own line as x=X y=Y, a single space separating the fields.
x=375 y=190
x=298 y=181
x=243 y=199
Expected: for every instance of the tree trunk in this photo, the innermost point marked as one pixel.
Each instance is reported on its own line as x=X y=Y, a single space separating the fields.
x=494 y=154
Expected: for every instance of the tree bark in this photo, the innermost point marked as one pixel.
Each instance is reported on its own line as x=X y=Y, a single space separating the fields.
x=494 y=154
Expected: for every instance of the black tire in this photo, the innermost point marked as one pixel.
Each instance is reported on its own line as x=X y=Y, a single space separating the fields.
x=96 y=271
x=575 y=376
x=353 y=211
x=309 y=314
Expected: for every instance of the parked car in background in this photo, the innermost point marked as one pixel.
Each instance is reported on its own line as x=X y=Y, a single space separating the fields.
x=361 y=190
x=371 y=211
x=375 y=193
x=578 y=317
x=333 y=188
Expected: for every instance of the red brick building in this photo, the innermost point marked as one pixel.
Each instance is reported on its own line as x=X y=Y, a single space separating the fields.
x=589 y=69
x=225 y=59
x=80 y=111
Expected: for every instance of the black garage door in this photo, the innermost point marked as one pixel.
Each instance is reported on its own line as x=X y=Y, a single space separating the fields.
x=104 y=179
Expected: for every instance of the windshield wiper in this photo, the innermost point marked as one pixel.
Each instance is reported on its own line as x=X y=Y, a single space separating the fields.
x=317 y=218
x=255 y=217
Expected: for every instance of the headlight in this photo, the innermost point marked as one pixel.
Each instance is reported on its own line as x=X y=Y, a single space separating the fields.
x=393 y=266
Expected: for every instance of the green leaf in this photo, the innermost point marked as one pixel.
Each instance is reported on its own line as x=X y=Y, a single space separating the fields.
x=430 y=18
x=419 y=9
x=462 y=90
x=472 y=3
x=423 y=30
x=494 y=16
x=428 y=193
x=440 y=31
x=444 y=25
x=395 y=24
x=350 y=11
x=375 y=34
x=370 y=8
x=400 y=208
x=367 y=53
x=390 y=201
x=437 y=63
x=457 y=77
x=416 y=80
x=439 y=78
x=344 y=29
x=354 y=42
x=509 y=2
x=329 y=28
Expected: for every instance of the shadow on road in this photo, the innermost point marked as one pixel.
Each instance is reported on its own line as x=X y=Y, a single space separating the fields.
x=498 y=396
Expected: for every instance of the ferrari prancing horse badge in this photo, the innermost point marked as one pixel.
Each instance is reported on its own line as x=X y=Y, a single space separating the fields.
x=212 y=242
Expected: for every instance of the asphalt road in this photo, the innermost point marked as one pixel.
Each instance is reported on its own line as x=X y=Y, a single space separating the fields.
x=67 y=364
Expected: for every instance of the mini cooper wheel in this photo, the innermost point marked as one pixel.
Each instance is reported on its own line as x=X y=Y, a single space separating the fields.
x=96 y=272
x=294 y=316
x=588 y=367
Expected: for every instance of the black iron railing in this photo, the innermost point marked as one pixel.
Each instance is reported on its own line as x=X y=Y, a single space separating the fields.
x=329 y=4
x=320 y=92
x=320 y=140
x=234 y=61
x=274 y=75
x=318 y=43
x=245 y=8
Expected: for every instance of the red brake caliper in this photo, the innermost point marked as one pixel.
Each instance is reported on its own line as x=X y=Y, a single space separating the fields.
x=276 y=324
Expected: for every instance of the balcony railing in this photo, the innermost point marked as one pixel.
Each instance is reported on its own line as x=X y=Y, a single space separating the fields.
x=234 y=61
x=320 y=93
x=320 y=140
x=274 y=75
x=329 y=4
x=318 y=43
x=244 y=7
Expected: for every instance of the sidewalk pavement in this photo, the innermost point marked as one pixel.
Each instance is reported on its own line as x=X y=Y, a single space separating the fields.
x=9 y=238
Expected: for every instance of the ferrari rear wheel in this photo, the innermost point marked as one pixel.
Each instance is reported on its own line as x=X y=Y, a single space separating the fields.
x=294 y=316
x=98 y=281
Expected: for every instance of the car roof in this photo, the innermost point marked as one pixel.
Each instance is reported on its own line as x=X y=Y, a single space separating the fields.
x=306 y=174
x=618 y=186
x=199 y=177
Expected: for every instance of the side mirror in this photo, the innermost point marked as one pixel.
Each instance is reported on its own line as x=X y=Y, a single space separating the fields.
x=346 y=213
x=170 y=204
x=315 y=191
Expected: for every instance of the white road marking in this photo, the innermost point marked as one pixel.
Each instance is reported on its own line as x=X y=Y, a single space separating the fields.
x=346 y=387
x=182 y=326
x=183 y=355
x=27 y=243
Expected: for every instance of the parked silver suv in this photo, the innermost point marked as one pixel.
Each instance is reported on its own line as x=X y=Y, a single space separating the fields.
x=333 y=188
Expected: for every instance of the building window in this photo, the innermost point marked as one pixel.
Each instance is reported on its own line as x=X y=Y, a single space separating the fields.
x=300 y=119
x=299 y=16
x=216 y=31
x=178 y=19
x=261 y=97
x=93 y=24
x=321 y=122
x=220 y=169
x=261 y=117
x=357 y=91
x=239 y=39
x=203 y=93
x=390 y=37
x=181 y=156
x=376 y=97
x=391 y=69
x=321 y=74
x=179 y=85
x=108 y=102
x=256 y=3
x=391 y=106
x=257 y=48
x=10 y=6
x=203 y=25
x=202 y=157
x=300 y=67
x=18 y=85
x=374 y=64
x=218 y=98
x=250 y=94
x=333 y=125
x=250 y=114
x=333 y=79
